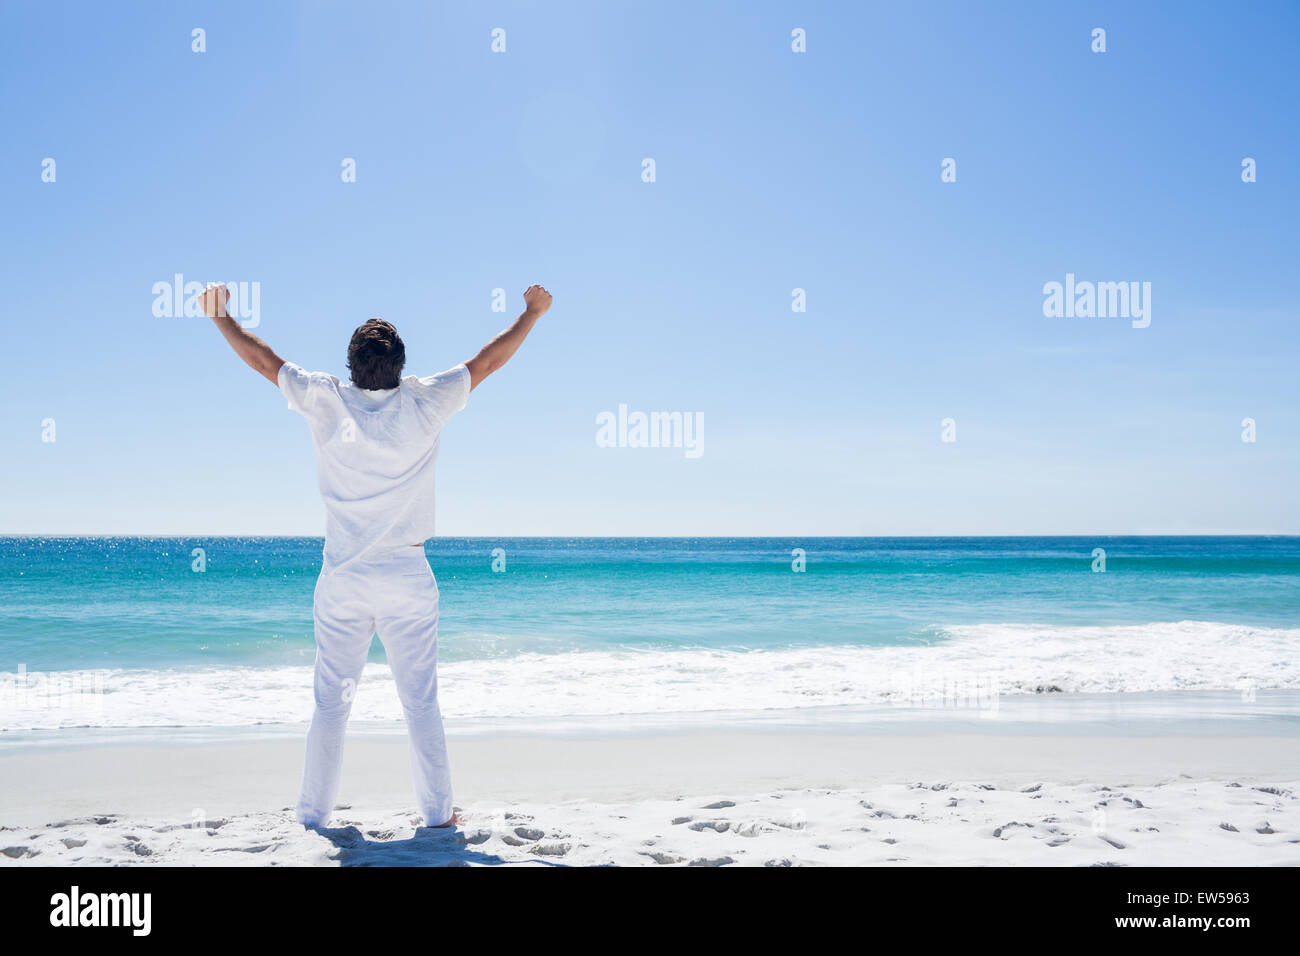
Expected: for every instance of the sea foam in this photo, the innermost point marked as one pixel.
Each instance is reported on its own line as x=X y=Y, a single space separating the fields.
x=965 y=664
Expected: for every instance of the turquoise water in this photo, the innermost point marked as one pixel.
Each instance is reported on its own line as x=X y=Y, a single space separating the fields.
x=636 y=609
x=135 y=602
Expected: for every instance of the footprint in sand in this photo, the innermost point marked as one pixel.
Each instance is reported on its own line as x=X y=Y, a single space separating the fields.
x=665 y=858
x=719 y=826
x=98 y=821
x=342 y=836
x=1007 y=826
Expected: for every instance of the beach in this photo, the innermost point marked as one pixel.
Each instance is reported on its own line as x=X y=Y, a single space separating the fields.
x=1156 y=780
x=670 y=702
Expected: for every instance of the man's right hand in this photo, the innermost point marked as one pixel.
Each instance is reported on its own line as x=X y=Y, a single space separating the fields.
x=497 y=352
x=537 y=300
x=213 y=300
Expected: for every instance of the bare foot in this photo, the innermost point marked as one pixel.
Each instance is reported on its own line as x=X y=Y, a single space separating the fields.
x=453 y=822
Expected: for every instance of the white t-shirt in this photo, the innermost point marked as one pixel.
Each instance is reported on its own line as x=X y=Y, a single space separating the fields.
x=375 y=452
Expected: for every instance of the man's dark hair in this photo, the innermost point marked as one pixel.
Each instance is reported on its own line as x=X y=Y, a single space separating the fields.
x=376 y=355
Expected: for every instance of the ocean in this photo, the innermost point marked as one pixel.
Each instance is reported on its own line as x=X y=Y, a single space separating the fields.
x=216 y=632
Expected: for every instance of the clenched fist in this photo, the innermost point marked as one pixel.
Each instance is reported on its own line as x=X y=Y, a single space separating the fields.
x=214 y=299
x=537 y=299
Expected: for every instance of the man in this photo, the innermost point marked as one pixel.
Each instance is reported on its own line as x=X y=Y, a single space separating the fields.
x=376 y=441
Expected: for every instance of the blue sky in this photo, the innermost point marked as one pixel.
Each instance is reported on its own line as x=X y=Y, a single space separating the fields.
x=775 y=170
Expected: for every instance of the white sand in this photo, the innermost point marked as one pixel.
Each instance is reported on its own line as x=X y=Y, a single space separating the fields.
x=946 y=791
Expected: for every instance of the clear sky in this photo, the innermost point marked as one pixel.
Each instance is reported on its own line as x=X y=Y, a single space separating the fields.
x=775 y=170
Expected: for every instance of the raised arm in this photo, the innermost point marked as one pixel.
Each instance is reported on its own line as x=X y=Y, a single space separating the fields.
x=497 y=352
x=247 y=346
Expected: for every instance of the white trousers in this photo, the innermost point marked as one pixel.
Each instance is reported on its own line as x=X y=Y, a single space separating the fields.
x=395 y=595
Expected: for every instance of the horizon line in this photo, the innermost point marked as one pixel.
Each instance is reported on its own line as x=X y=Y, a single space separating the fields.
x=667 y=537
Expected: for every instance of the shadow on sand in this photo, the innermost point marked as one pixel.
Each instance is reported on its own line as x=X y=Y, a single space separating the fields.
x=430 y=846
